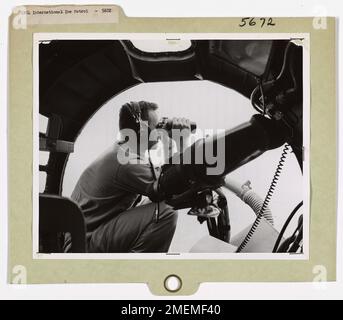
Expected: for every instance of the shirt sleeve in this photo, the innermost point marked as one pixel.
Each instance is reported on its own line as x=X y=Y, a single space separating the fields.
x=136 y=178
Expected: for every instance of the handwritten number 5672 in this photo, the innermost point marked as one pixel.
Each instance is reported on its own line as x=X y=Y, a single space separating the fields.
x=251 y=22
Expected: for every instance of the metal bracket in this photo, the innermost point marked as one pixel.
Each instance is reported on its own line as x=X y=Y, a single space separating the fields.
x=55 y=145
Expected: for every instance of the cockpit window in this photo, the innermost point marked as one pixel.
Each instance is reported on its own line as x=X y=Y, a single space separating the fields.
x=252 y=56
x=154 y=46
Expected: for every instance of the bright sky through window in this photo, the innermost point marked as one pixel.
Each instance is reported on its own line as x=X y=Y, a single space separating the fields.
x=162 y=45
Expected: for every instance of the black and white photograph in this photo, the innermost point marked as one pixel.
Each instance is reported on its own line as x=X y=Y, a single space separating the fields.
x=171 y=146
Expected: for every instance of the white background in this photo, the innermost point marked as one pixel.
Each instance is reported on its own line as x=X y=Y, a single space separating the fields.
x=140 y=291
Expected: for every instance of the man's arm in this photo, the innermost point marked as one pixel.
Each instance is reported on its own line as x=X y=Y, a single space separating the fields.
x=138 y=179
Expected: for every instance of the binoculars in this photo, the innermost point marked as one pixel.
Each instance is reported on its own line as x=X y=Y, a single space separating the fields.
x=167 y=124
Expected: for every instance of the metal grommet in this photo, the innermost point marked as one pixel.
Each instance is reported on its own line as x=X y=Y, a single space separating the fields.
x=173 y=283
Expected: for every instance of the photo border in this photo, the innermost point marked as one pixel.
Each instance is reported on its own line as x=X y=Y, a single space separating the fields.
x=38 y=37
x=240 y=275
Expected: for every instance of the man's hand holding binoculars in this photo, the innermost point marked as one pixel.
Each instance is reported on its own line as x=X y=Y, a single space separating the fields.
x=180 y=132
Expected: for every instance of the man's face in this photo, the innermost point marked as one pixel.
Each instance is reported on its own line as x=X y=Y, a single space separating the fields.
x=153 y=119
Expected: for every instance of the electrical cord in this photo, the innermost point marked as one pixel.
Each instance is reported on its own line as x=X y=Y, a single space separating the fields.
x=266 y=200
x=157 y=209
x=262 y=84
x=276 y=176
x=289 y=219
x=285 y=246
x=297 y=241
x=284 y=61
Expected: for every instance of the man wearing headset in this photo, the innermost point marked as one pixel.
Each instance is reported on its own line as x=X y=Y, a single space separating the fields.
x=108 y=191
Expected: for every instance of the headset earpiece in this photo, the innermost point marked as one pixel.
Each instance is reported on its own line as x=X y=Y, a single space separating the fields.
x=135 y=112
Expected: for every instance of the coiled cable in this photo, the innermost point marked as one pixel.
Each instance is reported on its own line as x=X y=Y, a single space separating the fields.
x=267 y=198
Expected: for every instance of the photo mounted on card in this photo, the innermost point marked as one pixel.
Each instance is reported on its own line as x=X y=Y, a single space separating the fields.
x=188 y=147
x=199 y=150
